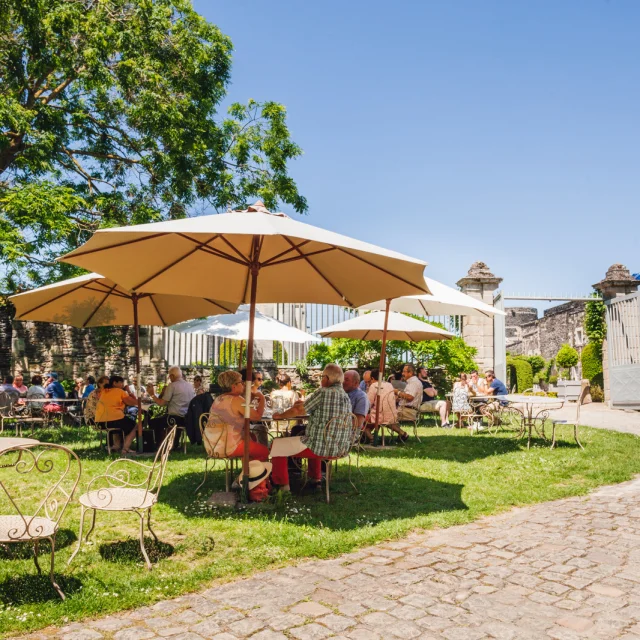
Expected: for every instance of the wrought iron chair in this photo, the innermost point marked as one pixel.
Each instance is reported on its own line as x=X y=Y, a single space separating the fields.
x=127 y=485
x=332 y=431
x=34 y=515
x=181 y=432
x=215 y=433
x=32 y=414
x=7 y=414
x=387 y=407
x=571 y=423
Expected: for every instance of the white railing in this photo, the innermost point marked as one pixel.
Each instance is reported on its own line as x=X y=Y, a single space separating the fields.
x=623 y=330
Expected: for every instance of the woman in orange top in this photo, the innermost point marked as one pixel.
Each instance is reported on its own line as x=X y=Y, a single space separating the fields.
x=110 y=408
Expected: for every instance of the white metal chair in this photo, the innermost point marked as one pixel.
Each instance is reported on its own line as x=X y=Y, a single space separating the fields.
x=571 y=423
x=121 y=492
x=215 y=433
x=34 y=515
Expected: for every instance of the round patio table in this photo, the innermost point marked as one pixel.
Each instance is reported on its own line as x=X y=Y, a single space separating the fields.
x=536 y=409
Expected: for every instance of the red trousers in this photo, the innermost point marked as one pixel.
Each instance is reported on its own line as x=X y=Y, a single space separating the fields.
x=257 y=451
x=280 y=471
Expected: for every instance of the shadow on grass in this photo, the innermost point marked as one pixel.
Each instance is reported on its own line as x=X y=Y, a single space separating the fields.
x=128 y=551
x=24 y=550
x=456 y=448
x=383 y=494
x=34 y=588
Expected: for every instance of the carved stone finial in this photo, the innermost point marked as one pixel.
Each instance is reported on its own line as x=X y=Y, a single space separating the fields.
x=617 y=282
x=479 y=273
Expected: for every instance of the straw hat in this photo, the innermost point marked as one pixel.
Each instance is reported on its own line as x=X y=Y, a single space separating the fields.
x=258 y=471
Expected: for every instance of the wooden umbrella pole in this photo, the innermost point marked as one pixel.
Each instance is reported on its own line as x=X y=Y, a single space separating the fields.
x=383 y=358
x=248 y=384
x=136 y=328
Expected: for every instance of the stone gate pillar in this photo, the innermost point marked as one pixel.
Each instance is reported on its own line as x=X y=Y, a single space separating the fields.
x=477 y=332
x=618 y=282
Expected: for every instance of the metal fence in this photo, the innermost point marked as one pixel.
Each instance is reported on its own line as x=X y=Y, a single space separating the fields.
x=189 y=349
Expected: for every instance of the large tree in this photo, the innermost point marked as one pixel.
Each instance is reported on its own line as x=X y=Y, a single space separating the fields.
x=109 y=116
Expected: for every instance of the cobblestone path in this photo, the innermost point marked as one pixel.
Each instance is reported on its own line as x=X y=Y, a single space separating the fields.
x=567 y=569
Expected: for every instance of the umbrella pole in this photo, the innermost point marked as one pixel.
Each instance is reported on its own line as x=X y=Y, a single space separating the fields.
x=248 y=384
x=136 y=328
x=383 y=358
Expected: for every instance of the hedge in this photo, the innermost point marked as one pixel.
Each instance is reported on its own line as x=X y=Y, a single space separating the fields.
x=591 y=358
x=520 y=372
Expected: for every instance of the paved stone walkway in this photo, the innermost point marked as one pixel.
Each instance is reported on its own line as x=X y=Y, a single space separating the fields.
x=566 y=570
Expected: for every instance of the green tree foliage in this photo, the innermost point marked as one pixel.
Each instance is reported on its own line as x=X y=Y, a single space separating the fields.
x=595 y=325
x=109 y=116
x=567 y=357
x=591 y=358
x=538 y=363
x=519 y=373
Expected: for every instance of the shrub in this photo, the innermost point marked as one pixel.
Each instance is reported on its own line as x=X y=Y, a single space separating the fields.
x=538 y=363
x=591 y=358
x=553 y=380
x=597 y=394
x=319 y=355
x=520 y=373
x=567 y=357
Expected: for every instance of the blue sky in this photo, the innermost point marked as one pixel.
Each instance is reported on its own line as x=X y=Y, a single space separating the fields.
x=459 y=130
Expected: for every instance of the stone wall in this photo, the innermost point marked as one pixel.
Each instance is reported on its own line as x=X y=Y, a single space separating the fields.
x=527 y=334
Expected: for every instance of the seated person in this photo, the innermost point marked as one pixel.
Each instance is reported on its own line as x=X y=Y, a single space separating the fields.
x=477 y=383
x=366 y=380
x=93 y=397
x=397 y=380
x=89 y=386
x=260 y=430
x=461 y=392
x=496 y=387
x=388 y=411
x=430 y=403
x=110 y=411
x=176 y=396
x=284 y=397
x=19 y=386
x=225 y=427
x=410 y=399
x=53 y=388
x=197 y=385
x=328 y=402
x=358 y=398
x=10 y=390
x=36 y=389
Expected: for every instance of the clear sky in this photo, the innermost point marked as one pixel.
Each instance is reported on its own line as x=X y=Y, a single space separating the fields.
x=459 y=130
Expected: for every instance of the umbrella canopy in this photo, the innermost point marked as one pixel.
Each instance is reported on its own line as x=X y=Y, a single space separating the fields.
x=92 y=300
x=370 y=326
x=297 y=262
x=236 y=327
x=249 y=256
x=442 y=301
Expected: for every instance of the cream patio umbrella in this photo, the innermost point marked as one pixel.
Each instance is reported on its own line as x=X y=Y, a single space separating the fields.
x=442 y=301
x=387 y=325
x=250 y=256
x=92 y=300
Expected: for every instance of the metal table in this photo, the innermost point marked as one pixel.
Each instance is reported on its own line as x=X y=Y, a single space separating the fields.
x=536 y=410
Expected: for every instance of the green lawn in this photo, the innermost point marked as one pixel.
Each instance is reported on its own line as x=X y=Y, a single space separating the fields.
x=450 y=478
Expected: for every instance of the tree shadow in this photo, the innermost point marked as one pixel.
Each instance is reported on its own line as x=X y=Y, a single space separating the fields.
x=24 y=550
x=455 y=448
x=34 y=588
x=128 y=551
x=383 y=494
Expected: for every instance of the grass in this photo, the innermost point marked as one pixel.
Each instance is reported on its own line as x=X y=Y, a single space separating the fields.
x=450 y=478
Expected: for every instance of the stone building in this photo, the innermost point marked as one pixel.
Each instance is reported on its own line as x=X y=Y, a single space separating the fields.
x=526 y=334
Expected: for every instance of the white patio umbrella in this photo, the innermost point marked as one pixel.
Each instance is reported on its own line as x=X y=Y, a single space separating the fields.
x=442 y=301
x=236 y=327
x=250 y=256
x=385 y=326
x=92 y=300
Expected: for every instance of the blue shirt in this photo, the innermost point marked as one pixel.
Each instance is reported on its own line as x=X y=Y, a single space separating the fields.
x=359 y=402
x=56 y=391
x=500 y=389
x=363 y=386
x=88 y=390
